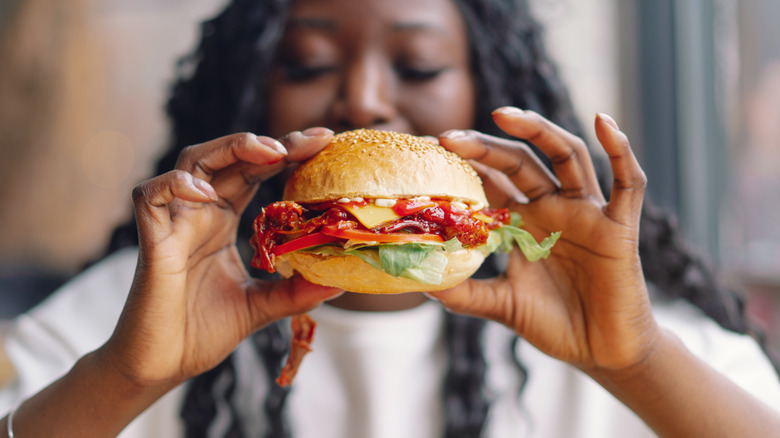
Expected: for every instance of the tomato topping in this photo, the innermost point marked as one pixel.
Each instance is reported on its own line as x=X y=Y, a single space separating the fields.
x=306 y=241
x=406 y=207
x=368 y=236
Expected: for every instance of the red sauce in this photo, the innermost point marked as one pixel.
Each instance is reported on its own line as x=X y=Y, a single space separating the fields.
x=321 y=206
x=405 y=207
x=284 y=220
x=445 y=220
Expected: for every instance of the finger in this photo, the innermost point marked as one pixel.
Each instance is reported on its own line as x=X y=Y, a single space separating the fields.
x=500 y=190
x=242 y=179
x=302 y=145
x=569 y=154
x=628 y=186
x=206 y=159
x=513 y=158
x=152 y=197
x=237 y=183
x=222 y=162
x=487 y=298
x=270 y=301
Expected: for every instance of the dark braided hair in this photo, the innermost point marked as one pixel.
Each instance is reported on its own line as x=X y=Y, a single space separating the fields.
x=220 y=90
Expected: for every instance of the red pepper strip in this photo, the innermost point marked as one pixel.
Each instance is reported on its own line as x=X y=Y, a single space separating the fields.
x=306 y=241
x=368 y=236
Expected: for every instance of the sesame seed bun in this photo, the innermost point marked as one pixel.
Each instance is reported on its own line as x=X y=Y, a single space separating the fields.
x=354 y=275
x=376 y=164
x=379 y=164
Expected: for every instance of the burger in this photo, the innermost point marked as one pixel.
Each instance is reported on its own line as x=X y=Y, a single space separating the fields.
x=383 y=212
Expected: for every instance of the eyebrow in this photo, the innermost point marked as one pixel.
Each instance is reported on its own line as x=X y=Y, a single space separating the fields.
x=417 y=26
x=330 y=25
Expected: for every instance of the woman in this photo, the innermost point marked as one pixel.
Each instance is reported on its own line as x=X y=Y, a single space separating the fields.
x=432 y=67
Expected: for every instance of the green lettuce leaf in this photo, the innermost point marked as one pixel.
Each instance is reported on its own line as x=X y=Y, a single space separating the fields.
x=425 y=262
x=501 y=239
x=505 y=237
x=417 y=261
x=398 y=258
x=429 y=270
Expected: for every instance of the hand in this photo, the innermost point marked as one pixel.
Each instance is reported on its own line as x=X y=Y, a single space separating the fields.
x=191 y=300
x=587 y=303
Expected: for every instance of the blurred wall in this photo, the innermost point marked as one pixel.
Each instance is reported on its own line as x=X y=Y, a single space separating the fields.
x=751 y=224
x=583 y=37
x=82 y=85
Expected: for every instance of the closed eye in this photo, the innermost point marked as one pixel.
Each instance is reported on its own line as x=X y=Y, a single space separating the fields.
x=416 y=74
x=296 y=72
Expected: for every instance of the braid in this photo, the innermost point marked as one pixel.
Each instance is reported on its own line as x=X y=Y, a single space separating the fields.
x=205 y=392
x=679 y=273
x=272 y=345
x=212 y=394
x=511 y=64
x=217 y=92
x=465 y=405
x=234 y=56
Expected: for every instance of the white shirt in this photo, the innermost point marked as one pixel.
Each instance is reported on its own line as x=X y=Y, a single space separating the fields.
x=374 y=375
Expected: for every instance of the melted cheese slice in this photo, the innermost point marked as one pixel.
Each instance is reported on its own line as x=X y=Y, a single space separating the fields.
x=372 y=216
x=482 y=217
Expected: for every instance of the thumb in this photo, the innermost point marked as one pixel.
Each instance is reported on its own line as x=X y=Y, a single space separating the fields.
x=273 y=300
x=487 y=298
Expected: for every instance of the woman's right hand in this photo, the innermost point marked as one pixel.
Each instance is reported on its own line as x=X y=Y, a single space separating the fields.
x=192 y=301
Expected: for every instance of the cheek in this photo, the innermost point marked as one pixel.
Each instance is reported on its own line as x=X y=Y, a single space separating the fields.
x=297 y=107
x=447 y=104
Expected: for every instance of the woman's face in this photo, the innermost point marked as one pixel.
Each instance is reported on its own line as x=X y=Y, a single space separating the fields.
x=398 y=65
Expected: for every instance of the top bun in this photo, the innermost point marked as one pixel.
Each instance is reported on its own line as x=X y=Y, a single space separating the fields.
x=367 y=163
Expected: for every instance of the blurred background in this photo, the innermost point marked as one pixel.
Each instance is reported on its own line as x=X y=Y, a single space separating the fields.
x=694 y=83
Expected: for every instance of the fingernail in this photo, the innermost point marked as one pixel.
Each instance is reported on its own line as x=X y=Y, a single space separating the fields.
x=316 y=132
x=454 y=134
x=205 y=188
x=608 y=120
x=508 y=110
x=273 y=144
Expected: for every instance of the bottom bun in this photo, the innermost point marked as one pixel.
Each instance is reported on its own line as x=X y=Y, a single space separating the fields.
x=354 y=275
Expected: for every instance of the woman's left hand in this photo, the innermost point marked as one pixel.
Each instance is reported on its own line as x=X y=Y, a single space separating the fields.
x=587 y=303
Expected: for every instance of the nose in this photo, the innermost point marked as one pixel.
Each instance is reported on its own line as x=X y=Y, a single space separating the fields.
x=366 y=98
